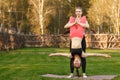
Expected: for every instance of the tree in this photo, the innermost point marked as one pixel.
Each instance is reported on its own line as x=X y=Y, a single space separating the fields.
x=104 y=16
x=43 y=13
x=13 y=14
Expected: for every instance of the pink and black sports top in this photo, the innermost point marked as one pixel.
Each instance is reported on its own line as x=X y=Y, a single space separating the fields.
x=77 y=30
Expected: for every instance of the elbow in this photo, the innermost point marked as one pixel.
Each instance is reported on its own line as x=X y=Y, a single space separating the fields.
x=65 y=26
x=87 y=26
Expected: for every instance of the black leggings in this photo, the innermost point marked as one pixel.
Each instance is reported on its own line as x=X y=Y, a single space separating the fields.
x=83 y=60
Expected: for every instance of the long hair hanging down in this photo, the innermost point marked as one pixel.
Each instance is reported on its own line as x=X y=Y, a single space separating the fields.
x=77 y=71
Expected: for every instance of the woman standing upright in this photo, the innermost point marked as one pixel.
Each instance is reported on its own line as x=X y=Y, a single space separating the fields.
x=77 y=25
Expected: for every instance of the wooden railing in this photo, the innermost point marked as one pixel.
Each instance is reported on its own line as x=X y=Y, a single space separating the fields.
x=14 y=41
x=11 y=41
x=103 y=41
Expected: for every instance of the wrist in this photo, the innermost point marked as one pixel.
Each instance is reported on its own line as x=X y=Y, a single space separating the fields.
x=74 y=23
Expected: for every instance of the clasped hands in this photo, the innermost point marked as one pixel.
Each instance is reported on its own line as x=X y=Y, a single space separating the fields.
x=77 y=21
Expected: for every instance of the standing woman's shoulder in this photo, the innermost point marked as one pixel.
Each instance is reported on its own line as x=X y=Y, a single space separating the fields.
x=71 y=19
x=83 y=19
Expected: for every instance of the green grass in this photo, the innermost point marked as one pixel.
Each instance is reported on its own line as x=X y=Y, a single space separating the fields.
x=31 y=63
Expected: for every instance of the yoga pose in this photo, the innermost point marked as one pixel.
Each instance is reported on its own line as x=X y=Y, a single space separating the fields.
x=77 y=59
x=78 y=13
x=77 y=25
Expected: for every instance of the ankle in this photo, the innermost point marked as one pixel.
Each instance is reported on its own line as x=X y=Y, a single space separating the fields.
x=84 y=75
x=71 y=73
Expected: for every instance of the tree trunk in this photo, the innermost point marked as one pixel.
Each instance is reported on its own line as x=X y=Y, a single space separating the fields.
x=41 y=17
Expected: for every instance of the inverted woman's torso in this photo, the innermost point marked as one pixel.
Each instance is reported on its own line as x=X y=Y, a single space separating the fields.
x=76 y=43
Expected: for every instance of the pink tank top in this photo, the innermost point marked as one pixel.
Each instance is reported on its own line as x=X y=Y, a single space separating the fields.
x=77 y=30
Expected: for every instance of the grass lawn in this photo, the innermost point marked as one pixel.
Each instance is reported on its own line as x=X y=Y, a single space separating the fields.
x=31 y=63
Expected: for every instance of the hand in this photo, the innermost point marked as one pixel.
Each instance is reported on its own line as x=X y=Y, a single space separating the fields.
x=107 y=56
x=50 y=55
x=77 y=20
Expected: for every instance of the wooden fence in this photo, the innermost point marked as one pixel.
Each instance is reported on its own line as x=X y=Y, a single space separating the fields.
x=103 y=41
x=11 y=41
x=14 y=41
